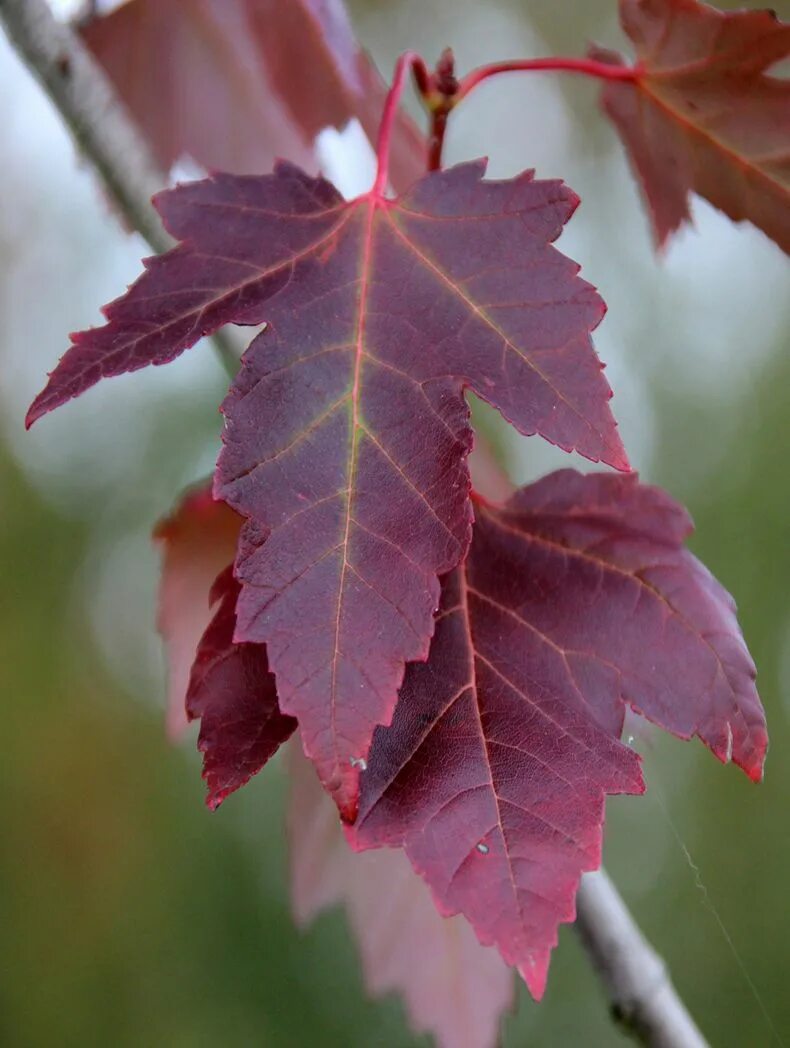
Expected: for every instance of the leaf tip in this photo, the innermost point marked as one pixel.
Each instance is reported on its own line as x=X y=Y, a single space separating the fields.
x=753 y=762
x=756 y=772
x=745 y=749
x=616 y=455
x=535 y=971
x=214 y=799
x=343 y=786
x=34 y=413
x=348 y=806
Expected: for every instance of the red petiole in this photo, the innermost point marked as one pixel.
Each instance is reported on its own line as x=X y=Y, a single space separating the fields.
x=409 y=61
x=584 y=66
x=441 y=93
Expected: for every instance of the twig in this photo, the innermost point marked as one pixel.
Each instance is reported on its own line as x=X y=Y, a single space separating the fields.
x=641 y=993
x=98 y=121
x=636 y=980
x=409 y=62
x=92 y=111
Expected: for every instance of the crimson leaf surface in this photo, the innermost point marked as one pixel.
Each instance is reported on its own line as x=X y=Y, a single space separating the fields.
x=451 y=985
x=232 y=692
x=577 y=598
x=704 y=112
x=346 y=430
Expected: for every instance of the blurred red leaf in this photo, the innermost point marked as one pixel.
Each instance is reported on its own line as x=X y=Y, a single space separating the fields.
x=235 y=84
x=703 y=114
x=232 y=693
x=577 y=597
x=198 y=540
x=346 y=430
x=452 y=986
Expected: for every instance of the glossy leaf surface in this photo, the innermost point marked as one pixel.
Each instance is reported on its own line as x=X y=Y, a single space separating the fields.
x=347 y=430
x=705 y=114
x=451 y=986
x=232 y=693
x=577 y=598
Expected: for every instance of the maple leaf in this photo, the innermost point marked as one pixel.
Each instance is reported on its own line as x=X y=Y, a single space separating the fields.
x=702 y=113
x=346 y=430
x=577 y=597
x=197 y=540
x=233 y=694
x=452 y=986
x=234 y=84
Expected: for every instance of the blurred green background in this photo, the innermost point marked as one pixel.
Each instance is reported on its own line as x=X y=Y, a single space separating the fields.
x=128 y=915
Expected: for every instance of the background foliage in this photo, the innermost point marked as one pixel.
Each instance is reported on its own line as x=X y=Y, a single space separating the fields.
x=128 y=915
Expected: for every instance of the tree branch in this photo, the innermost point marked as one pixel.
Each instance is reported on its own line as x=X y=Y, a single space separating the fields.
x=91 y=109
x=641 y=993
x=103 y=131
x=635 y=978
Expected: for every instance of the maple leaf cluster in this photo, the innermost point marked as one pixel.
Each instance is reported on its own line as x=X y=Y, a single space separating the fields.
x=458 y=671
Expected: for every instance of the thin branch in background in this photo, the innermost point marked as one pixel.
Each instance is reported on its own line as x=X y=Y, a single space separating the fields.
x=636 y=980
x=102 y=130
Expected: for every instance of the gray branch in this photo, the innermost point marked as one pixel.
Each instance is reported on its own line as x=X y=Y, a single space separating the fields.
x=640 y=991
x=90 y=107
x=636 y=980
x=102 y=129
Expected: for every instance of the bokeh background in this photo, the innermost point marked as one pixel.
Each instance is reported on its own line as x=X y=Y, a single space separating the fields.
x=128 y=914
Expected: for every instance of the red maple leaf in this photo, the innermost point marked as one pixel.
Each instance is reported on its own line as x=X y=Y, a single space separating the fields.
x=451 y=985
x=198 y=540
x=576 y=599
x=704 y=114
x=234 y=84
x=345 y=451
x=347 y=430
x=232 y=692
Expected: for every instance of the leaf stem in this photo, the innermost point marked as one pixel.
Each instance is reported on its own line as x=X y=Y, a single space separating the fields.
x=439 y=99
x=436 y=138
x=408 y=62
x=584 y=66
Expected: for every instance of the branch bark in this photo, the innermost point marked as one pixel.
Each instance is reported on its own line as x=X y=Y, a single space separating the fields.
x=92 y=111
x=100 y=125
x=635 y=978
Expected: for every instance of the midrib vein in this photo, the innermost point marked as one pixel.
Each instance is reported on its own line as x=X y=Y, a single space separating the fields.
x=353 y=456
x=464 y=601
